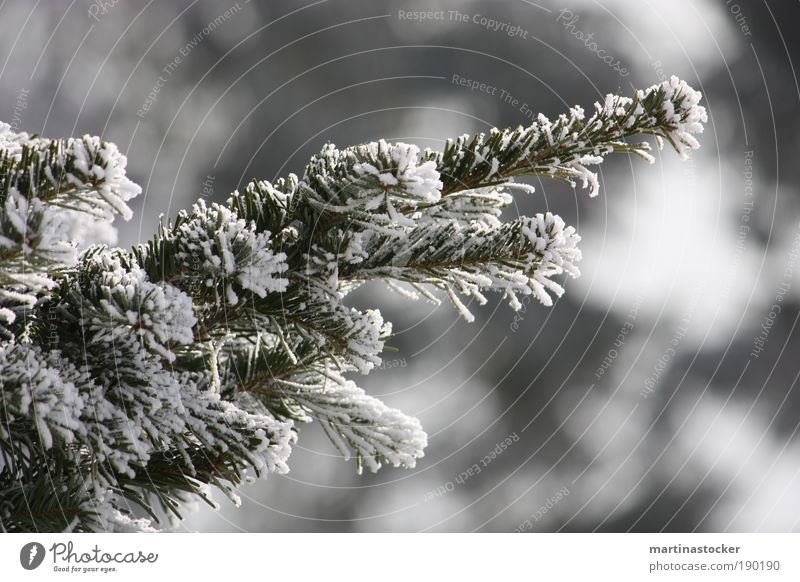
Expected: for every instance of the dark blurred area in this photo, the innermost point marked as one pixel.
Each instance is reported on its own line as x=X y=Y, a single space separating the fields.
x=659 y=394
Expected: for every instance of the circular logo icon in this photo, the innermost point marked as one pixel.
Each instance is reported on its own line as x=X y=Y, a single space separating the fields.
x=31 y=555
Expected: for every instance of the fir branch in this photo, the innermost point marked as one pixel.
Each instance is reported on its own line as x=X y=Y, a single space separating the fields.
x=137 y=380
x=565 y=148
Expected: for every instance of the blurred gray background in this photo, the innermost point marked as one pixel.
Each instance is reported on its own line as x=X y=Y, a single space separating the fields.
x=637 y=402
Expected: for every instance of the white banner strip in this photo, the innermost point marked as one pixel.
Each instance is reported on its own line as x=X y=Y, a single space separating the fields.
x=400 y=557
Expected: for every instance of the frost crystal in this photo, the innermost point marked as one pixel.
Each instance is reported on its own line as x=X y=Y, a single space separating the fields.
x=355 y=421
x=682 y=113
x=228 y=252
x=158 y=312
x=557 y=244
x=34 y=388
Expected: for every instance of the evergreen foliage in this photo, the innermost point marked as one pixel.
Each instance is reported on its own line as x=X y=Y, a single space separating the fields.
x=134 y=380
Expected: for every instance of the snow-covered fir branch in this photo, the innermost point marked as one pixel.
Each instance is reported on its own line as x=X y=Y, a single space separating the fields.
x=52 y=192
x=134 y=380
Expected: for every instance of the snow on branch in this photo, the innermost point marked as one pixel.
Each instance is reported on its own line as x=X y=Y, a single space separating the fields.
x=145 y=377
